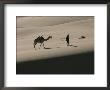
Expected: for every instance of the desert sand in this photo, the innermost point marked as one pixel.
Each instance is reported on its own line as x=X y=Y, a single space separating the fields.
x=28 y=28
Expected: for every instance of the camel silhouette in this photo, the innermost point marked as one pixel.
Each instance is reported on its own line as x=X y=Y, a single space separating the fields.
x=41 y=40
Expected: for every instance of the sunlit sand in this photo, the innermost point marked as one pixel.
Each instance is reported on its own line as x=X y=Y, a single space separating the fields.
x=28 y=29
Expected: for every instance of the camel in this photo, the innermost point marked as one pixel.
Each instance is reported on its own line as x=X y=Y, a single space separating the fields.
x=41 y=40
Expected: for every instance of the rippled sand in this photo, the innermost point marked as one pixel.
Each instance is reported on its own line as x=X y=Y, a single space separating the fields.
x=28 y=28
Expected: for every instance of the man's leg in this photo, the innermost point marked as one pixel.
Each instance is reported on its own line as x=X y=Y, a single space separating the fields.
x=68 y=43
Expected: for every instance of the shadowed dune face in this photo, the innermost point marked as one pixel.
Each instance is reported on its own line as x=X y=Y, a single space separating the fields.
x=80 y=28
x=71 y=64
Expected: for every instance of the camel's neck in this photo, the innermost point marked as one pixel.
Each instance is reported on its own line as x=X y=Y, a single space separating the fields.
x=47 y=39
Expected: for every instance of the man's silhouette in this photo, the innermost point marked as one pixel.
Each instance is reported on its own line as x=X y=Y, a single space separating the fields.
x=67 y=39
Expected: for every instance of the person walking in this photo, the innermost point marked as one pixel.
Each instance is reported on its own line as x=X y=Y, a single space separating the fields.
x=67 y=39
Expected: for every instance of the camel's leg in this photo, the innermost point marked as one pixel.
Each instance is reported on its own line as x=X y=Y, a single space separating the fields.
x=35 y=45
x=43 y=45
x=40 y=45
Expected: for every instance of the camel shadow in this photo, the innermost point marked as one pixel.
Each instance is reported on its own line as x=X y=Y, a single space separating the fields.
x=47 y=48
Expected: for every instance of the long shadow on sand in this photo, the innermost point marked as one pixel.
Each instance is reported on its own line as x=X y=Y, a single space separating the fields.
x=72 y=64
x=47 y=48
x=72 y=45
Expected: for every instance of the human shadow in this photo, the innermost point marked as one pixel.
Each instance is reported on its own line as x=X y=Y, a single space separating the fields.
x=75 y=46
x=72 y=45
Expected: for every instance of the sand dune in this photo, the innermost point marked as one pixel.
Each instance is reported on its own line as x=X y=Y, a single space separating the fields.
x=28 y=28
x=46 y=21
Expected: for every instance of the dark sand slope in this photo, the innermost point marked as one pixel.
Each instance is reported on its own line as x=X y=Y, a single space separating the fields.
x=72 y=64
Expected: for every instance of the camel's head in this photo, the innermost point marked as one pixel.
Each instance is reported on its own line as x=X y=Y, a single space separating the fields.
x=50 y=37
